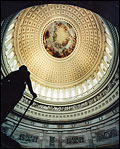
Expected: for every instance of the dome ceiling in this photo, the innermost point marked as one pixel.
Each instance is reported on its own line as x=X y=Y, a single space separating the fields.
x=62 y=45
x=72 y=55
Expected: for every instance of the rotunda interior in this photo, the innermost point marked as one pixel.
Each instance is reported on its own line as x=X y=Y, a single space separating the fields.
x=72 y=56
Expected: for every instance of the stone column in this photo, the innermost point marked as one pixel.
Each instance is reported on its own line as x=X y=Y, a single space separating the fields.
x=60 y=139
x=90 y=139
x=44 y=139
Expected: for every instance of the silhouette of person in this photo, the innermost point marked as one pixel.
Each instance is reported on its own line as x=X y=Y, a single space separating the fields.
x=12 y=89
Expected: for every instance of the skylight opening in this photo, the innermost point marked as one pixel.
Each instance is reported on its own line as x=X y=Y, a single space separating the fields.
x=95 y=81
x=89 y=84
x=13 y=66
x=8 y=37
x=103 y=67
x=107 y=31
x=106 y=60
x=109 y=41
x=9 y=46
x=78 y=89
x=55 y=93
x=61 y=94
x=11 y=55
x=11 y=27
x=109 y=51
x=84 y=87
x=37 y=89
x=99 y=75
x=72 y=92
x=33 y=83
x=49 y=92
x=43 y=91
x=67 y=93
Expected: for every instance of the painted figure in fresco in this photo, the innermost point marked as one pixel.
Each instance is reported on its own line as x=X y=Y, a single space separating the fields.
x=12 y=89
x=59 y=39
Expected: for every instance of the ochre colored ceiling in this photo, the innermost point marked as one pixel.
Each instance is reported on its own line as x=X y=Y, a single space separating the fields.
x=85 y=57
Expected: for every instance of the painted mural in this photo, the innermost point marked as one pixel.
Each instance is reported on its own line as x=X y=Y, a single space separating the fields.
x=59 y=39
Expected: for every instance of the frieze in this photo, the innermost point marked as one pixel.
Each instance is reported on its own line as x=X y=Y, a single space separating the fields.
x=75 y=140
x=102 y=135
x=28 y=137
x=77 y=106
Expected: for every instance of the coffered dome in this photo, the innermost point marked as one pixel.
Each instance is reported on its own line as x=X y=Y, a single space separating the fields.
x=82 y=29
x=66 y=48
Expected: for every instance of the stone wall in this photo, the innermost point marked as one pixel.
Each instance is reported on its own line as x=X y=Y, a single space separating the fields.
x=97 y=132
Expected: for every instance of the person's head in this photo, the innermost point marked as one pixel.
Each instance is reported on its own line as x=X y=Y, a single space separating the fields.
x=23 y=68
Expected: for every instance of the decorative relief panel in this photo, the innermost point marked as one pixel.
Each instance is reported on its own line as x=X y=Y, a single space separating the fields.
x=103 y=135
x=75 y=140
x=27 y=138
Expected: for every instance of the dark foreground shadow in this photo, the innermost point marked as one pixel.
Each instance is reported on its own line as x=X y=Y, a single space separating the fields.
x=7 y=142
x=12 y=89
